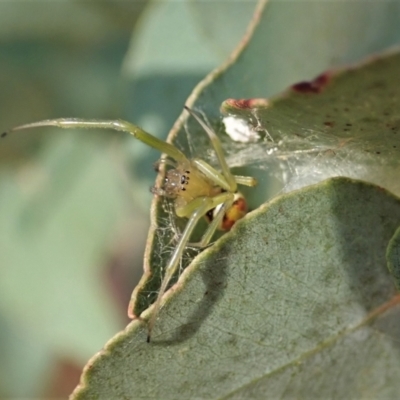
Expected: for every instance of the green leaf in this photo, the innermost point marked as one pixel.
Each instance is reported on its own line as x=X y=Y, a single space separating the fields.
x=44 y=264
x=18 y=378
x=295 y=299
x=342 y=123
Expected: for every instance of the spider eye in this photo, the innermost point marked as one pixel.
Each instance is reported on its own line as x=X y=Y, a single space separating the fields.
x=184 y=180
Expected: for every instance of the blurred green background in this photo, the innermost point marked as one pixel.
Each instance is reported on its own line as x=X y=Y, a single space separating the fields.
x=74 y=205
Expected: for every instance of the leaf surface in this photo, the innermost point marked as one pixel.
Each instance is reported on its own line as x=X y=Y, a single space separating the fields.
x=296 y=298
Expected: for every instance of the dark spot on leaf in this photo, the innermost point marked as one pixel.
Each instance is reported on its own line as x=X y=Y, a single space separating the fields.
x=4 y=134
x=314 y=86
x=329 y=123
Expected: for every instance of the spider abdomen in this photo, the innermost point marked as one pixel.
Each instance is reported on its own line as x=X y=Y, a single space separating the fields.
x=237 y=211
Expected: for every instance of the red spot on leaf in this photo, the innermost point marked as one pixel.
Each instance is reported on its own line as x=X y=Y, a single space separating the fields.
x=314 y=86
x=246 y=103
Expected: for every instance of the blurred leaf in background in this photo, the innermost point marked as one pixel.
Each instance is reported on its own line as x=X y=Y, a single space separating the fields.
x=62 y=196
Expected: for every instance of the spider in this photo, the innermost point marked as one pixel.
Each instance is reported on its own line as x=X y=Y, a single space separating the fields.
x=197 y=189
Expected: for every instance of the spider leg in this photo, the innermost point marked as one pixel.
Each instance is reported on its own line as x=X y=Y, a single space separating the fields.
x=197 y=208
x=117 y=125
x=213 y=226
x=245 y=180
x=216 y=143
x=211 y=173
x=165 y=161
x=215 y=176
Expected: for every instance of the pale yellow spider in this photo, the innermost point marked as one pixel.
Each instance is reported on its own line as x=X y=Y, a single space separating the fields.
x=198 y=189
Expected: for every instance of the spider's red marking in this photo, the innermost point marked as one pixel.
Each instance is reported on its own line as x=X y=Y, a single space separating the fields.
x=237 y=211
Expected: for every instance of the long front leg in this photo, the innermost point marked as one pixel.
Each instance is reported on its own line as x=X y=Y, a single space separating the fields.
x=116 y=125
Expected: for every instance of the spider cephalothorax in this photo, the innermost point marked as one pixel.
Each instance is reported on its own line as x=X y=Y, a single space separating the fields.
x=184 y=183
